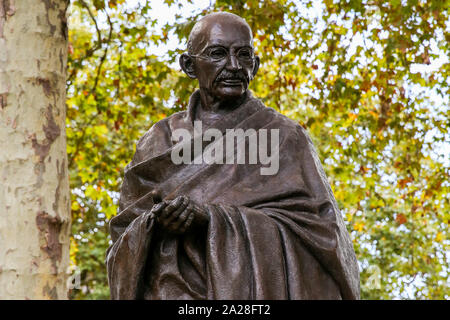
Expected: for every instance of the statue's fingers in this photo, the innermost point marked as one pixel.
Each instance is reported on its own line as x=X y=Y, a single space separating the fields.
x=181 y=219
x=148 y=218
x=175 y=214
x=157 y=208
x=187 y=223
x=172 y=206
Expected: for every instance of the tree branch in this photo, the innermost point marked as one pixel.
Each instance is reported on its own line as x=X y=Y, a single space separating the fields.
x=102 y=59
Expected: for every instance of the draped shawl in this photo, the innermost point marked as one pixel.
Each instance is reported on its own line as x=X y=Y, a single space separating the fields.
x=277 y=236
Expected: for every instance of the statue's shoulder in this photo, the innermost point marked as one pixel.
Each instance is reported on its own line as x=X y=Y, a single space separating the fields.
x=289 y=128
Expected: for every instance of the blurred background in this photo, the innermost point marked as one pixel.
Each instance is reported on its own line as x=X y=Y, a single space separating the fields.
x=368 y=79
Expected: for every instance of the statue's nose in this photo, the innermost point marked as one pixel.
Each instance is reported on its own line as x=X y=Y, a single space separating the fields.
x=233 y=63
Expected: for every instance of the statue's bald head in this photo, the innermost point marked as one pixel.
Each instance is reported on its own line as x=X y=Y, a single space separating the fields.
x=219 y=20
x=221 y=57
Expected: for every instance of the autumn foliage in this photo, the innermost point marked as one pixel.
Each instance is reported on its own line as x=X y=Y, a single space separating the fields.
x=368 y=79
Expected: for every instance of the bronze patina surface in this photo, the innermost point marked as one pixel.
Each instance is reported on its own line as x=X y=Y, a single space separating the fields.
x=225 y=231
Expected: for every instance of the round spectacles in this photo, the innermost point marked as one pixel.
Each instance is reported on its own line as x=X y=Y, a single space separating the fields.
x=216 y=54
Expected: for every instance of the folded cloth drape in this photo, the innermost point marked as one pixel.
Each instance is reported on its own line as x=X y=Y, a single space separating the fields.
x=277 y=236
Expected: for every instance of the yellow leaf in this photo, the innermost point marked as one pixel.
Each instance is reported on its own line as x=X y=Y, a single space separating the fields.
x=375 y=115
x=75 y=206
x=101 y=130
x=439 y=237
x=358 y=226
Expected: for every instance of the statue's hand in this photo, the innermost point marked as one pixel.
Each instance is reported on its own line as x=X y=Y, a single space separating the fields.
x=179 y=214
x=172 y=214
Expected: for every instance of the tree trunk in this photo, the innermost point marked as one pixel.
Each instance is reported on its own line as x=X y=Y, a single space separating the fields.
x=34 y=186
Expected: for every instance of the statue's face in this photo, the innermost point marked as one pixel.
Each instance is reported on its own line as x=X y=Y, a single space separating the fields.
x=224 y=62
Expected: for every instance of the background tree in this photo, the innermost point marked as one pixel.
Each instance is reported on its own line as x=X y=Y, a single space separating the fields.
x=34 y=185
x=368 y=79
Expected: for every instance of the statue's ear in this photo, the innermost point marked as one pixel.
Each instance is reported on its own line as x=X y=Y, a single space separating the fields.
x=256 y=66
x=187 y=65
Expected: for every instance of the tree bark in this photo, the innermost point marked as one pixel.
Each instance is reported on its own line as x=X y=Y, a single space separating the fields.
x=34 y=186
